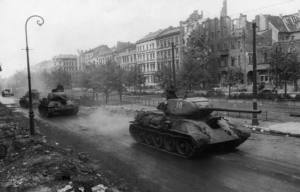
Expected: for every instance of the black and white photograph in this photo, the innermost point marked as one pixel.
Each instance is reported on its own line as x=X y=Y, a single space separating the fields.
x=150 y=96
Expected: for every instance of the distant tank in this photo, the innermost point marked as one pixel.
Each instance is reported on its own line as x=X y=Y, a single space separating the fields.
x=7 y=92
x=57 y=103
x=185 y=127
x=24 y=101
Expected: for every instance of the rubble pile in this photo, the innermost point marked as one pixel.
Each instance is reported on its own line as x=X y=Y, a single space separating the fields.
x=37 y=163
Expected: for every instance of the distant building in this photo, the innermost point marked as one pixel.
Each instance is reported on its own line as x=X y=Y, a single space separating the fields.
x=66 y=62
x=164 y=42
x=127 y=57
x=39 y=67
x=146 y=56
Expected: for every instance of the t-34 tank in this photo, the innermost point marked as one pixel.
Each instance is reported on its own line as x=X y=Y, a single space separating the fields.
x=185 y=127
x=24 y=101
x=57 y=103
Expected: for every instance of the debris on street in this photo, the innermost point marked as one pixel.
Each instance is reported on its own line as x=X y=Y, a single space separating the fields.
x=37 y=163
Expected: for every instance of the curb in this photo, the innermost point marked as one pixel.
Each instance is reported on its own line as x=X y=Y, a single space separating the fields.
x=267 y=130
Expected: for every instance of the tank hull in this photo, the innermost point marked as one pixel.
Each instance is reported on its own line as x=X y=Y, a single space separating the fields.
x=49 y=111
x=166 y=133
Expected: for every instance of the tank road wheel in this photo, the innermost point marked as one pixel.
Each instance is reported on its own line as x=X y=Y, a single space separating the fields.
x=158 y=140
x=140 y=135
x=183 y=147
x=169 y=143
x=149 y=137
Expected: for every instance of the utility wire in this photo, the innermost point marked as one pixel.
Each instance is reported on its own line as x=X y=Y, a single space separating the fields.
x=151 y=15
x=263 y=7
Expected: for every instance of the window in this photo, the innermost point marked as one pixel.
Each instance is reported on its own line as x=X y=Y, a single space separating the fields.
x=292 y=37
x=239 y=44
x=234 y=24
x=250 y=58
x=212 y=35
x=232 y=45
x=232 y=61
x=157 y=43
x=239 y=60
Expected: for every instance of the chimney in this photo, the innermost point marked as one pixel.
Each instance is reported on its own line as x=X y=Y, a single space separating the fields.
x=280 y=16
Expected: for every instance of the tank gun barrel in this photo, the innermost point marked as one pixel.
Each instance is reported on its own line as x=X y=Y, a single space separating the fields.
x=231 y=110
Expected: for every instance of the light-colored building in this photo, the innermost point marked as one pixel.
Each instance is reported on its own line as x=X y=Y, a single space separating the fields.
x=146 y=56
x=164 y=42
x=66 y=62
x=39 y=67
x=127 y=57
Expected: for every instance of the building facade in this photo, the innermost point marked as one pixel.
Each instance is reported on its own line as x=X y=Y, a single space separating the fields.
x=127 y=57
x=39 y=67
x=164 y=42
x=66 y=62
x=146 y=56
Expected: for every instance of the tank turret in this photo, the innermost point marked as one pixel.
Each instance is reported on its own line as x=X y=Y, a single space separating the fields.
x=57 y=103
x=195 y=107
x=185 y=127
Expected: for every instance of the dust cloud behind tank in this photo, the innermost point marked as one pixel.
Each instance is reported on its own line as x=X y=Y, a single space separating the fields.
x=57 y=103
x=186 y=126
x=24 y=101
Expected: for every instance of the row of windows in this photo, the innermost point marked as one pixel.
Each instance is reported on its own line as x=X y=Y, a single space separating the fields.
x=167 y=54
x=168 y=42
x=145 y=47
x=146 y=57
x=127 y=59
x=224 y=46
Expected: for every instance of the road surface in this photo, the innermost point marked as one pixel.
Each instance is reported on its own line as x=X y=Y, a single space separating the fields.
x=262 y=163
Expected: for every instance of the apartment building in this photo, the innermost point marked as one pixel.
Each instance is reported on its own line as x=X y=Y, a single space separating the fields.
x=66 y=62
x=146 y=56
x=164 y=42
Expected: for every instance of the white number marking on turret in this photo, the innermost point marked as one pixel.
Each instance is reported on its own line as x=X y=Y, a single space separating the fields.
x=179 y=105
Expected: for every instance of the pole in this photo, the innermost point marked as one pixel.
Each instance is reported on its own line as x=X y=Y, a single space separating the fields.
x=254 y=115
x=173 y=65
x=31 y=113
x=276 y=78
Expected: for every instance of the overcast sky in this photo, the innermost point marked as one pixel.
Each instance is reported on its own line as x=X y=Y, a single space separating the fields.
x=82 y=24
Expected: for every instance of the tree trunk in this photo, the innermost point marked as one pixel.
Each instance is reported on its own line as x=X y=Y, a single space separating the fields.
x=229 y=91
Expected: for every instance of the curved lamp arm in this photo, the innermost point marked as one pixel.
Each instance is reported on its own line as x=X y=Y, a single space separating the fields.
x=39 y=22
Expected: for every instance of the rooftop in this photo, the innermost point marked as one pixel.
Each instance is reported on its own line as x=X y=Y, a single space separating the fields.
x=150 y=36
x=65 y=56
x=169 y=31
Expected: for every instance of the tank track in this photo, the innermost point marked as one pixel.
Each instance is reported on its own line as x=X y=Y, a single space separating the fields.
x=44 y=111
x=189 y=143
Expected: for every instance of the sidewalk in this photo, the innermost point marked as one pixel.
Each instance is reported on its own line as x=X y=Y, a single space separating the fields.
x=287 y=128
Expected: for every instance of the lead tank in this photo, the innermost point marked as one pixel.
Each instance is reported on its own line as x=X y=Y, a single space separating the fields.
x=185 y=127
x=57 y=103
x=24 y=101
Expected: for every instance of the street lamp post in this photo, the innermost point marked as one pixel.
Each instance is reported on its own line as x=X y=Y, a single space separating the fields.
x=254 y=116
x=0 y=67
x=31 y=113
